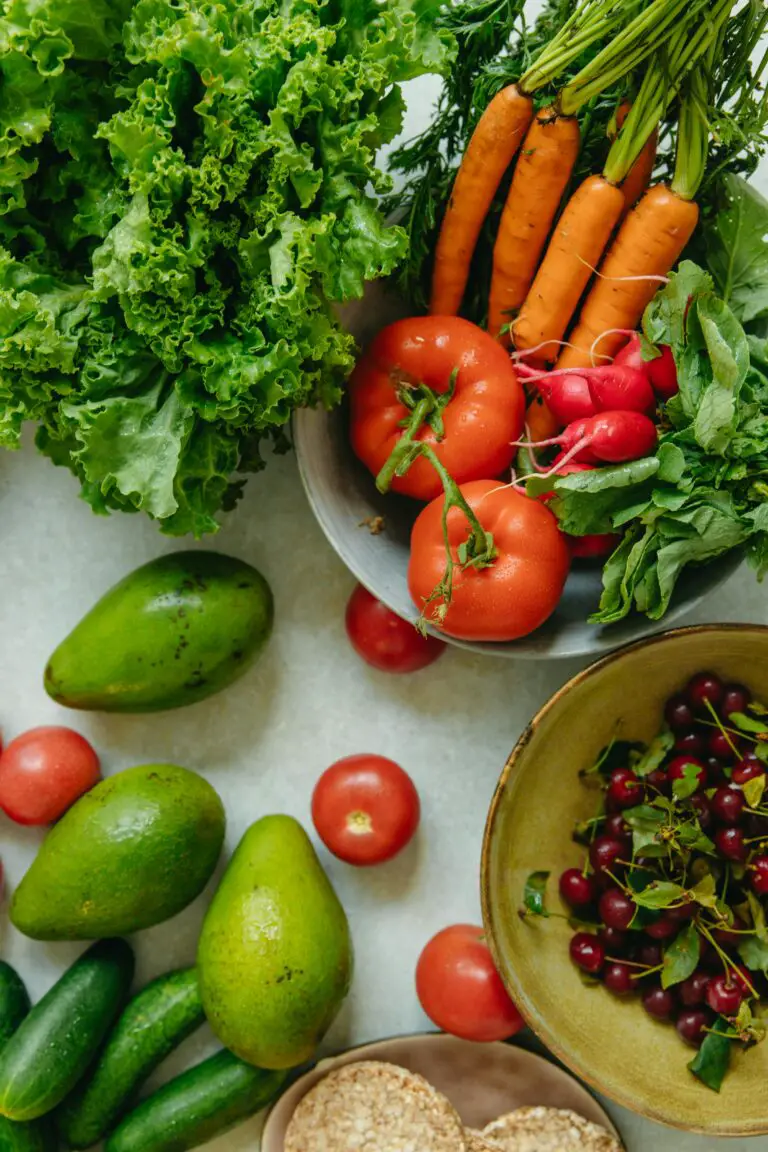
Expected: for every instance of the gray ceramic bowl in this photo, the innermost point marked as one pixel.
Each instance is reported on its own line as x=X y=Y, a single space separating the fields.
x=345 y=501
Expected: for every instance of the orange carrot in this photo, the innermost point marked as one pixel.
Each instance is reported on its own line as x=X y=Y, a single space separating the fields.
x=547 y=159
x=575 y=249
x=493 y=146
x=648 y=245
x=639 y=176
x=540 y=421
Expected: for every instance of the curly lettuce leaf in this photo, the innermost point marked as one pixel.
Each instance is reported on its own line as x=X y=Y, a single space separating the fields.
x=189 y=191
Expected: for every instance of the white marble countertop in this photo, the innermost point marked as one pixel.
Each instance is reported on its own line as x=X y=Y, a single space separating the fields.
x=264 y=742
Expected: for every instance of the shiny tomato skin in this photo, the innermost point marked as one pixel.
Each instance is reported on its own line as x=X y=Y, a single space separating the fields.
x=481 y=422
x=385 y=641
x=366 y=809
x=43 y=772
x=518 y=592
x=461 y=991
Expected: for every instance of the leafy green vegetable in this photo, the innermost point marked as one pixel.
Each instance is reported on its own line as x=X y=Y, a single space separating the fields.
x=187 y=192
x=703 y=493
x=713 y=1059
x=736 y=248
x=535 y=894
x=681 y=957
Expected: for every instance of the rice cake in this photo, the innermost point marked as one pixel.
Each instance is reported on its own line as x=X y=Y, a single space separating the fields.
x=476 y=1142
x=374 y=1107
x=549 y=1130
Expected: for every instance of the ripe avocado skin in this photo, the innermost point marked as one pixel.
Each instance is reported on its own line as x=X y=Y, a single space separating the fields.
x=275 y=954
x=175 y=631
x=131 y=853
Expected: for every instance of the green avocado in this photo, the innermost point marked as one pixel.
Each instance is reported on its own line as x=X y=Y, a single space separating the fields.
x=130 y=853
x=275 y=955
x=171 y=633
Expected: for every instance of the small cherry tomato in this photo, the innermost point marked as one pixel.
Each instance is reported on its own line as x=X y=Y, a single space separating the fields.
x=43 y=772
x=460 y=989
x=365 y=809
x=385 y=641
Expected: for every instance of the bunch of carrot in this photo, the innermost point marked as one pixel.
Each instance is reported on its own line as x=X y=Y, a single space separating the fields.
x=615 y=230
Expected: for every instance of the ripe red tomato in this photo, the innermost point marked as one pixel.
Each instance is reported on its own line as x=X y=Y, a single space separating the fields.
x=460 y=989
x=385 y=641
x=519 y=591
x=365 y=809
x=480 y=423
x=43 y=772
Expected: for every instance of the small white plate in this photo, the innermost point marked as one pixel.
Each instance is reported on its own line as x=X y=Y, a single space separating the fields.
x=482 y=1081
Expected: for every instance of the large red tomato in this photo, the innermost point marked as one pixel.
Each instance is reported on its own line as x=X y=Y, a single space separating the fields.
x=480 y=422
x=460 y=989
x=518 y=591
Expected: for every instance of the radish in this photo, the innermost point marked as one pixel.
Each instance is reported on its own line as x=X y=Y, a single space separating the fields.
x=620 y=388
x=584 y=547
x=568 y=397
x=609 y=437
x=661 y=371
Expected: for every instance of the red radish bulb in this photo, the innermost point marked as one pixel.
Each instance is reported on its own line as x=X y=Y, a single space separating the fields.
x=663 y=374
x=593 y=547
x=619 y=388
x=568 y=397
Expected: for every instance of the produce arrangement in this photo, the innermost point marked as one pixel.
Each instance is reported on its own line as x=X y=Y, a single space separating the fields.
x=668 y=902
x=396 y=1108
x=189 y=195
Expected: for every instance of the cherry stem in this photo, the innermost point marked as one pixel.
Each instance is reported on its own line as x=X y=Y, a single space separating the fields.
x=719 y=723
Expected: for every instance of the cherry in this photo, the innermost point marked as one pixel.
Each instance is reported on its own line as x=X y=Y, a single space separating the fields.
x=728 y=805
x=721 y=745
x=662 y=928
x=736 y=698
x=659 y=780
x=682 y=913
x=614 y=941
x=709 y=958
x=587 y=952
x=676 y=769
x=725 y=994
x=617 y=828
x=693 y=991
x=759 y=877
x=678 y=713
x=624 y=789
x=692 y=1025
x=650 y=954
x=746 y=770
x=692 y=743
x=715 y=770
x=730 y=844
x=619 y=978
x=730 y=937
x=604 y=852
x=617 y=910
x=659 y=1002
x=576 y=888
x=703 y=810
x=704 y=688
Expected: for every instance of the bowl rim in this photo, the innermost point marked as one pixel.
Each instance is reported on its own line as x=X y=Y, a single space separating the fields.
x=540 y=1027
x=327 y=1063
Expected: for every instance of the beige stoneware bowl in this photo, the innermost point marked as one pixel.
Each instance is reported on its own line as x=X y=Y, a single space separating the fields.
x=482 y=1081
x=613 y=1045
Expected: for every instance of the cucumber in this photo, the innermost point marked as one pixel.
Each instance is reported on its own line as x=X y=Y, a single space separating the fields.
x=154 y=1023
x=53 y=1047
x=35 y=1135
x=202 y=1103
x=14 y=1002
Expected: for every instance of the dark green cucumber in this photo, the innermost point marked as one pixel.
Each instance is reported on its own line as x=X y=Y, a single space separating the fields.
x=14 y=1002
x=153 y=1024
x=34 y=1135
x=54 y=1046
x=200 y=1104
